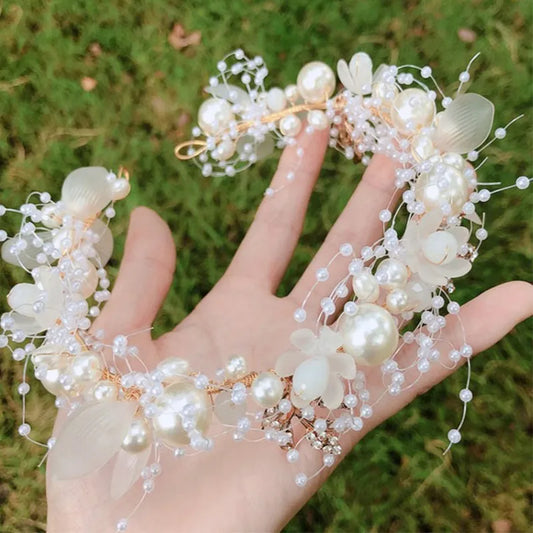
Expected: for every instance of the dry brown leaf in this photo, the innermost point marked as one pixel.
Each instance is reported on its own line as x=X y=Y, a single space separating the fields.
x=466 y=35
x=179 y=39
x=88 y=84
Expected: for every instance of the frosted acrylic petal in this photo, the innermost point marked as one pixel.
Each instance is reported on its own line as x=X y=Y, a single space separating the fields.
x=86 y=191
x=304 y=339
x=329 y=341
x=465 y=124
x=474 y=217
x=265 y=148
x=104 y=247
x=231 y=93
x=298 y=402
x=431 y=274
x=22 y=297
x=343 y=365
x=90 y=438
x=334 y=393
x=429 y=223
x=288 y=362
x=27 y=257
x=380 y=72
x=458 y=267
x=28 y=325
x=127 y=470
x=343 y=72
x=227 y=411
x=460 y=233
x=361 y=71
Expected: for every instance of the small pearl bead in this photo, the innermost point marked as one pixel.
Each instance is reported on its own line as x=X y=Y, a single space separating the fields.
x=301 y=479
x=466 y=395
x=290 y=125
x=464 y=77
x=481 y=234
x=300 y=315
x=454 y=436
x=385 y=215
x=322 y=274
x=453 y=308
x=522 y=182
x=122 y=525
x=329 y=459
x=500 y=133
x=24 y=430
x=293 y=455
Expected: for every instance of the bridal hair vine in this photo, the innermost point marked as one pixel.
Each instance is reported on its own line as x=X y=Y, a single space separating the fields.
x=391 y=298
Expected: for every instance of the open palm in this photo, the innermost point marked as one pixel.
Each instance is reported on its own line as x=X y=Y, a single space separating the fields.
x=243 y=486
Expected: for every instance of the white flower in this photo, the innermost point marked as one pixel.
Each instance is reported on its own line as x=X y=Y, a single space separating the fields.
x=37 y=306
x=316 y=367
x=431 y=252
x=356 y=77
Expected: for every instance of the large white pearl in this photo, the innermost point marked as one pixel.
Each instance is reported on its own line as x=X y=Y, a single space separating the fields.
x=267 y=389
x=86 y=191
x=290 y=125
x=440 y=247
x=86 y=367
x=276 y=100
x=168 y=423
x=310 y=378
x=173 y=367
x=224 y=150
x=54 y=367
x=317 y=119
x=214 y=116
x=370 y=335
x=137 y=438
x=316 y=82
x=397 y=301
x=393 y=272
x=443 y=184
x=412 y=109
x=365 y=286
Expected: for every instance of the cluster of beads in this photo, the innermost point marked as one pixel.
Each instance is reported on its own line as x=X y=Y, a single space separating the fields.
x=389 y=302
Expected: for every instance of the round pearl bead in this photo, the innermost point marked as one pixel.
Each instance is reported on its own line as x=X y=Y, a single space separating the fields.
x=138 y=437
x=430 y=191
x=370 y=336
x=267 y=389
x=214 y=116
x=120 y=189
x=397 y=301
x=365 y=286
x=440 y=247
x=86 y=368
x=412 y=110
x=224 y=150
x=317 y=119
x=168 y=424
x=276 y=99
x=290 y=125
x=316 y=82
x=292 y=94
x=394 y=273
x=105 y=390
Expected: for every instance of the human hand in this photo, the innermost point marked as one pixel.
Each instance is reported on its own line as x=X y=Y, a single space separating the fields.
x=248 y=486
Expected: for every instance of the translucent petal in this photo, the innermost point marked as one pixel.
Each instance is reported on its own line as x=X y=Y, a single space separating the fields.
x=27 y=257
x=460 y=233
x=464 y=124
x=28 y=325
x=288 y=362
x=458 y=267
x=86 y=191
x=127 y=470
x=474 y=217
x=429 y=223
x=329 y=341
x=104 y=247
x=304 y=339
x=229 y=92
x=343 y=72
x=334 y=393
x=380 y=72
x=342 y=364
x=297 y=401
x=22 y=297
x=431 y=274
x=261 y=150
x=227 y=411
x=90 y=438
x=361 y=71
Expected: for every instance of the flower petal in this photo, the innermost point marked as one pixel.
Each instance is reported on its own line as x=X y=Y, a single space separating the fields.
x=127 y=470
x=288 y=362
x=429 y=223
x=456 y=268
x=230 y=93
x=28 y=325
x=342 y=364
x=464 y=124
x=310 y=379
x=328 y=341
x=334 y=393
x=304 y=339
x=90 y=438
x=361 y=71
x=297 y=401
x=343 y=72
x=460 y=233
x=431 y=274
x=22 y=297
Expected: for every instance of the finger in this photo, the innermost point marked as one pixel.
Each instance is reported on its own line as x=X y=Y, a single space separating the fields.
x=144 y=278
x=268 y=246
x=481 y=323
x=358 y=225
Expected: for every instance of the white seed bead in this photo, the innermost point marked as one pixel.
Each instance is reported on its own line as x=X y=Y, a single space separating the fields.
x=301 y=479
x=466 y=395
x=300 y=315
x=454 y=436
x=522 y=182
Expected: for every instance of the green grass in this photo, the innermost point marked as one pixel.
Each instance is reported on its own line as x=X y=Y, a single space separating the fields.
x=147 y=92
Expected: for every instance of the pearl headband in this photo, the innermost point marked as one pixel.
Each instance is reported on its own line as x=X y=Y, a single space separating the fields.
x=317 y=390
